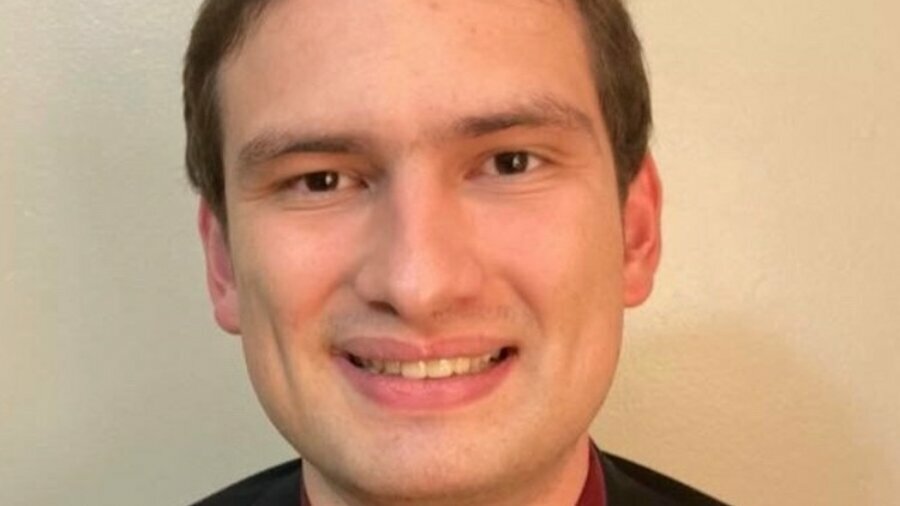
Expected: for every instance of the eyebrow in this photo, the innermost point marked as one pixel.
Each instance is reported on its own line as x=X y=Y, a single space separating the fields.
x=544 y=111
x=271 y=145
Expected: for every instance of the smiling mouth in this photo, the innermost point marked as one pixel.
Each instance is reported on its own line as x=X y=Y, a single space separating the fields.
x=438 y=368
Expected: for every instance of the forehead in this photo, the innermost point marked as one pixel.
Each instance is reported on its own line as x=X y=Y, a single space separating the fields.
x=400 y=66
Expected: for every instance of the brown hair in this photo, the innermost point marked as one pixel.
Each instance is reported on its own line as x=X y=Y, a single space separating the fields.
x=618 y=70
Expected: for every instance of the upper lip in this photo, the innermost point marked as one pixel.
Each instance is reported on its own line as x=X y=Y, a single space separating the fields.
x=401 y=350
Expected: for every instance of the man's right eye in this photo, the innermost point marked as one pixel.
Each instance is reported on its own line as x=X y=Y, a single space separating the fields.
x=322 y=182
x=322 y=188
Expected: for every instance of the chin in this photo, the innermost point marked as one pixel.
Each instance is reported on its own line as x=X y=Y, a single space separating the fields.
x=433 y=474
x=426 y=481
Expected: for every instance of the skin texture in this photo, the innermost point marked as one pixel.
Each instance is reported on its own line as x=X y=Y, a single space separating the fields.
x=423 y=239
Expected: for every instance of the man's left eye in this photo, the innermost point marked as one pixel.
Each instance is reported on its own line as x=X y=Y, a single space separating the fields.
x=511 y=163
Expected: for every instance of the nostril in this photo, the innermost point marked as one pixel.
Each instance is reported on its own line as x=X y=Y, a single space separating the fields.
x=383 y=308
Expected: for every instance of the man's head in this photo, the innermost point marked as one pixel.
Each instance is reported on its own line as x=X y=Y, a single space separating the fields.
x=426 y=252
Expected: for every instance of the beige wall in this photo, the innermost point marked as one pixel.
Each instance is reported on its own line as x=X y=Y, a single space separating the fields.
x=768 y=355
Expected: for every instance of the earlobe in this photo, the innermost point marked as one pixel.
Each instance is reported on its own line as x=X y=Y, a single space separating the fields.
x=219 y=271
x=642 y=238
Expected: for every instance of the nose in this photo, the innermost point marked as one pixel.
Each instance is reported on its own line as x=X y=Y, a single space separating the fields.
x=421 y=261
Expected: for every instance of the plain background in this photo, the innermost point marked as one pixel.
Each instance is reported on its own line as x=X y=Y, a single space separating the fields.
x=765 y=369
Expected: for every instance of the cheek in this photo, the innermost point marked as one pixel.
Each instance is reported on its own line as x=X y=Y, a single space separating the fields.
x=589 y=302
x=287 y=270
x=287 y=275
x=562 y=257
x=563 y=265
x=563 y=262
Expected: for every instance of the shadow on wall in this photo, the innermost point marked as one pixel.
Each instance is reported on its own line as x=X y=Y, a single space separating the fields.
x=740 y=414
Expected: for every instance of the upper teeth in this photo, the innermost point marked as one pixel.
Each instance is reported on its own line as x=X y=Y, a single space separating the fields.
x=436 y=368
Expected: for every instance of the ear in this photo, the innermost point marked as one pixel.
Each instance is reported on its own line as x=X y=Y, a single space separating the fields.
x=219 y=271
x=641 y=227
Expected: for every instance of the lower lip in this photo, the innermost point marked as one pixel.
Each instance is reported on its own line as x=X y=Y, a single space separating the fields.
x=402 y=394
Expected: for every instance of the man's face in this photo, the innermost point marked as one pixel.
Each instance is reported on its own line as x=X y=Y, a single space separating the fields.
x=413 y=187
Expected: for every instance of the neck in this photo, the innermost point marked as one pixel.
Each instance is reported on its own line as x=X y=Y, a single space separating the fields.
x=558 y=484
